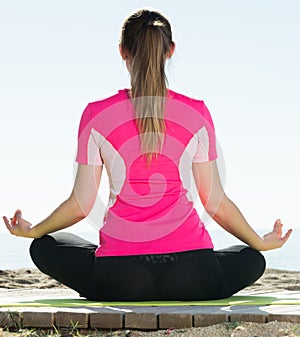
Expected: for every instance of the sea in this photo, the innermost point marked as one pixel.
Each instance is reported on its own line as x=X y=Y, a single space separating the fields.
x=14 y=251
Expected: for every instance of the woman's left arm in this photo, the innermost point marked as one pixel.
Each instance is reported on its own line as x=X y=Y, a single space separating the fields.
x=72 y=210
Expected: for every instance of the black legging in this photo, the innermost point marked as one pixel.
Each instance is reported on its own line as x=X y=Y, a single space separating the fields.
x=192 y=275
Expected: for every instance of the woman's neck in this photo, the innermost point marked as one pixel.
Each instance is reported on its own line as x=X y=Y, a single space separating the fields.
x=129 y=93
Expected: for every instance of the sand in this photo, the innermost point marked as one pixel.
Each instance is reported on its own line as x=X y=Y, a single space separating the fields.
x=272 y=280
x=27 y=278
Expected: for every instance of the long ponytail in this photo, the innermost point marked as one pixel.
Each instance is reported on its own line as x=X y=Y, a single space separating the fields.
x=147 y=38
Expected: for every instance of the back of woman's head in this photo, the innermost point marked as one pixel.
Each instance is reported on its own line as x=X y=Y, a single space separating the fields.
x=146 y=40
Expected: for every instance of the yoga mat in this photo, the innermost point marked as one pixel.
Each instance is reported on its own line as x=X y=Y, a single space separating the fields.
x=231 y=301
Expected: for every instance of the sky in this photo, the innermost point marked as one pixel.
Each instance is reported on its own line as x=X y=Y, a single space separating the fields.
x=240 y=57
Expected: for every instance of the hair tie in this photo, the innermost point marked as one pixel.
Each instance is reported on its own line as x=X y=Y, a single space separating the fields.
x=149 y=20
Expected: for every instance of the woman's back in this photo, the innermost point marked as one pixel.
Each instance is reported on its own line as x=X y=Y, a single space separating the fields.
x=150 y=209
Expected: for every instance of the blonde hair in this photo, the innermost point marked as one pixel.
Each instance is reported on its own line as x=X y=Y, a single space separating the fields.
x=147 y=38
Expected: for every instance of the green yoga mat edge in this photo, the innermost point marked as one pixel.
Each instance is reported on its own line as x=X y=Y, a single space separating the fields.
x=231 y=301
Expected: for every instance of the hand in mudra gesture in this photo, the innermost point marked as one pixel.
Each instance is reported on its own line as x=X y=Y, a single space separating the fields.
x=17 y=225
x=274 y=239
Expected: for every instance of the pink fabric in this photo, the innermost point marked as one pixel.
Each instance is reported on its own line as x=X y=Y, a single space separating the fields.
x=150 y=210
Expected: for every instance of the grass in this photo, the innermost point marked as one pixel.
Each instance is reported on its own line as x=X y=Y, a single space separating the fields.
x=232 y=325
x=63 y=332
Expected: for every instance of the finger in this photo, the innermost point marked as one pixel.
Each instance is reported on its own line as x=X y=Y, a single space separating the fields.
x=278 y=227
x=287 y=235
x=14 y=219
x=5 y=220
x=7 y=224
x=17 y=216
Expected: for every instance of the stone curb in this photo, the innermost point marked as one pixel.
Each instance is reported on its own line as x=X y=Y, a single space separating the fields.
x=143 y=318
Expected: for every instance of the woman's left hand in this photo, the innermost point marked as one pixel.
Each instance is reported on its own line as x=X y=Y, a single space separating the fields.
x=18 y=226
x=276 y=239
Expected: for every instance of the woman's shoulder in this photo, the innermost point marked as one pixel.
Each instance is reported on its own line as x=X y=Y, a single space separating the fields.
x=195 y=103
x=192 y=103
x=108 y=100
x=184 y=97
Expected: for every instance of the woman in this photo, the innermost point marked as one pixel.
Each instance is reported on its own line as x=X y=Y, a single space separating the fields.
x=153 y=245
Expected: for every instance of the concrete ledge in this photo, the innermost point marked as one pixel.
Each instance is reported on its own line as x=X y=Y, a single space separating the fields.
x=71 y=319
x=151 y=318
x=35 y=319
x=147 y=321
x=11 y=319
x=174 y=320
x=105 y=320
x=284 y=318
x=201 y=320
x=255 y=318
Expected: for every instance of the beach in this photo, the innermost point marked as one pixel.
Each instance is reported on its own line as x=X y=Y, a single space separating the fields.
x=31 y=278
x=272 y=280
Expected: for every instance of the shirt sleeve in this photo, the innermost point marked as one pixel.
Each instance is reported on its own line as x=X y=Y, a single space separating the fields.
x=206 y=139
x=88 y=149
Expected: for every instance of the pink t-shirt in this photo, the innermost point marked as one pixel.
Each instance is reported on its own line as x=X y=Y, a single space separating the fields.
x=150 y=210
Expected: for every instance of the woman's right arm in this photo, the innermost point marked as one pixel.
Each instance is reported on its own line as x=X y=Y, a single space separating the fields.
x=227 y=214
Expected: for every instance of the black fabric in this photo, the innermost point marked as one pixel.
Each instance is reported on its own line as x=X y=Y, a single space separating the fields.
x=192 y=275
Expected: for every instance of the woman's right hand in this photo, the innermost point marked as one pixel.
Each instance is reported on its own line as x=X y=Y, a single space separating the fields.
x=274 y=239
